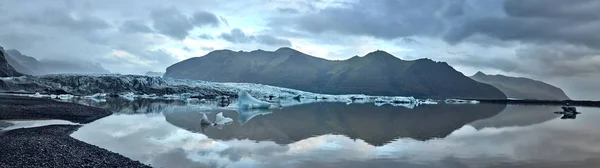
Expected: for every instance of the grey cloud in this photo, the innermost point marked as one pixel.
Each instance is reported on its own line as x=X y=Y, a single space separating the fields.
x=539 y=60
x=287 y=10
x=203 y=18
x=573 y=9
x=61 y=19
x=387 y=19
x=135 y=26
x=205 y=36
x=160 y=56
x=273 y=41
x=238 y=36
x=537 y=21
x=171 y=22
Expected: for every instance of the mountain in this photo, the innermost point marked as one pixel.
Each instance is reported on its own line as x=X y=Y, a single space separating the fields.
x=30 y=65
x=522 y=88
x=6 y=70
x=152 y=73
x=23 y=63
x=377 y=73
x=61 y=67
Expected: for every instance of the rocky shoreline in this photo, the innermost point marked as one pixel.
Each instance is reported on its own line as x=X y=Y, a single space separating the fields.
x=52 y=146
x=18 y=107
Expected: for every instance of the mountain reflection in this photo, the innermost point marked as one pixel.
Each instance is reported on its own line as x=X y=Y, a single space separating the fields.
x=375 y=125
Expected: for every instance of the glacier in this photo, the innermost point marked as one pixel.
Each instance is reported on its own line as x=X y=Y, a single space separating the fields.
x=131 y=87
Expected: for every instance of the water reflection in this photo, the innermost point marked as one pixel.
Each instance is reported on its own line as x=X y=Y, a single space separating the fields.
x=356 y=135
x=375 y=125
x=518 y=115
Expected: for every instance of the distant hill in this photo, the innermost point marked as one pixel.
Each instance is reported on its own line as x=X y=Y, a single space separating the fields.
x=6 y=70
x=151 y=73
x=523 y=88
x=30 y=65
x=377 y=73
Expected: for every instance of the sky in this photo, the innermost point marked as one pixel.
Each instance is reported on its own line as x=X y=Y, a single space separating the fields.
x=555 y=41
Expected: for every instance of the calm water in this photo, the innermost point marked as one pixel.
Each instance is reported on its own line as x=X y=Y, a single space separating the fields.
x=169 y=134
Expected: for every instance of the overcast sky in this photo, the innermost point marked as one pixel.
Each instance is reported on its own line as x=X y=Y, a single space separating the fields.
x=556 y=41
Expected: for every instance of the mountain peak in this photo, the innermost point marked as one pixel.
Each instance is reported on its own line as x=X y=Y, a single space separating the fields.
x=286 y=49
x=380 y=54
x=479 y=73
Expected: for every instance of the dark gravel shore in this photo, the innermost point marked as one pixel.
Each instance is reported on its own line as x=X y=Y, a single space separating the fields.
x=51 y=146
x=17 y=107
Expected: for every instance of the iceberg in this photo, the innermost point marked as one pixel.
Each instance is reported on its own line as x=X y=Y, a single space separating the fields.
x=459 y=101
x=65 y=96
x=129 y=96
x=246 y=101
x=222 y=120
x=37 y=95
x=204 y=120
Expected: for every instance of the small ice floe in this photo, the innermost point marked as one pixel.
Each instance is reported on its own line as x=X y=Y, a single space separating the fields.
x=65 y=96
x=38 y=95
x=246 y=101
x=204 y=120
x=428 y=101
x=149 y=96
x=98 y=97
x=222 y=120
x=459 y=101
x=129 y=96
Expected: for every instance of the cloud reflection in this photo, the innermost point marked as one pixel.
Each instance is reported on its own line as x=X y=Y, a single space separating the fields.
x=150 y=139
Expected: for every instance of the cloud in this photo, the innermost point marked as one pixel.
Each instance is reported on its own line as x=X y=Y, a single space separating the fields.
x=288 y=10
x=537 y=21
x=61 y=19
x=238 y=36
x=203 y=18
x=171 y=22
x=387 y=19
x=135 y=26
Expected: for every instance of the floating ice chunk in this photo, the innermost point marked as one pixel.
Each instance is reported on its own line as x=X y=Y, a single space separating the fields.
x=37 y=95
x=205 y=121
x=129 y=96
x=53 y=96
x=149 y=96
x=459 y=101
x=428 y=101
x=380 y=100
x=65 y=96
x=246 y=101
x=171 y=96
x=222 y=120
x=399 y=100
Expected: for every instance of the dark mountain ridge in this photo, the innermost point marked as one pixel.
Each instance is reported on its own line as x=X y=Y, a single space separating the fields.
x=6 y=70
x=30 y=65
x=377 y=73
x=522 y=88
